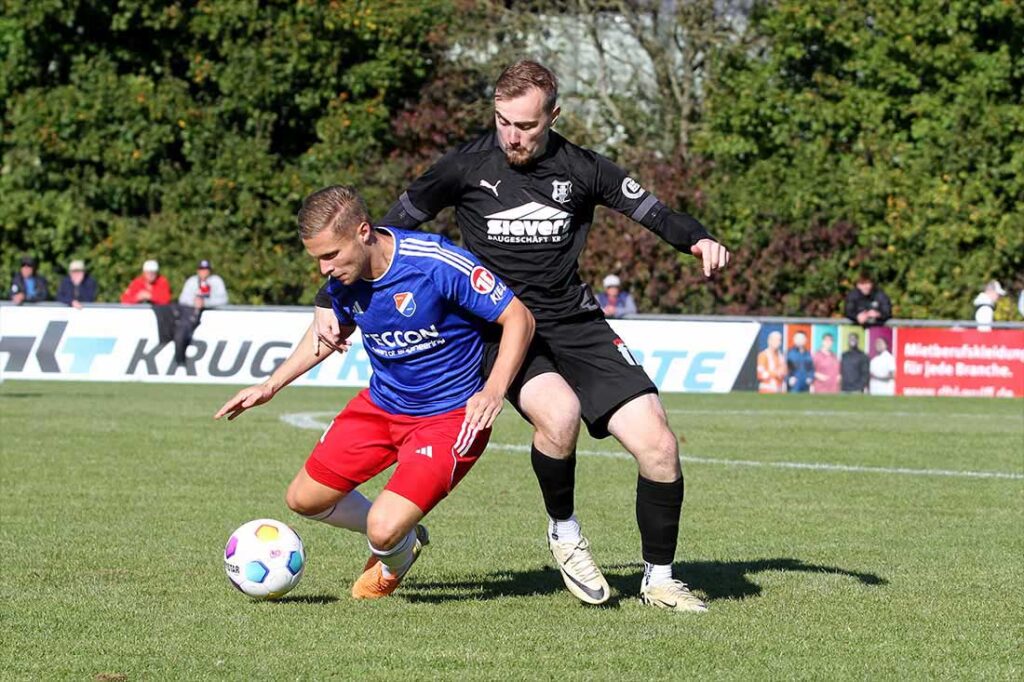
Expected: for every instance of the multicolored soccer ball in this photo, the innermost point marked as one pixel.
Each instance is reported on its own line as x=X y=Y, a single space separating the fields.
x=264 y=559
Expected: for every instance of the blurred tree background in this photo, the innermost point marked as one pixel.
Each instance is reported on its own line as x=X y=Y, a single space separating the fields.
x=816 y=139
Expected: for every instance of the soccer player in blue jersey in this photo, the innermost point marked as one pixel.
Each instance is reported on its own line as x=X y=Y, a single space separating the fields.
x=419 y=302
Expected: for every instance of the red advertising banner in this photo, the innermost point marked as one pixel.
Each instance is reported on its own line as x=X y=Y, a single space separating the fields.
x=967 y=362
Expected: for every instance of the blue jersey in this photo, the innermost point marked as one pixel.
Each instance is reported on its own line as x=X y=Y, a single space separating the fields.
x=421 y=321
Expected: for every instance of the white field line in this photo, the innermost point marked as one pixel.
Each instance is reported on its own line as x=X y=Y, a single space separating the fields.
x=314 y=421
x=836 y=413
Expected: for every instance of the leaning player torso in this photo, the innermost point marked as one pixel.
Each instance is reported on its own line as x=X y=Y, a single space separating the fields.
x=525 y=223
x=402 y=317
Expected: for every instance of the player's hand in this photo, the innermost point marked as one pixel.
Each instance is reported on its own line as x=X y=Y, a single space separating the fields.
x=483 y=408
x=714 y=255
x=327 y=331
x=244 y=399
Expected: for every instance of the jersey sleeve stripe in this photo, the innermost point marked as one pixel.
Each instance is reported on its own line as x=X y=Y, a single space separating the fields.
x=434 y=245
x=412 y=210
x=436 y=255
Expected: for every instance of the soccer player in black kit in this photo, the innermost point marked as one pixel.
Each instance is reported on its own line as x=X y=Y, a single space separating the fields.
x=524 y=201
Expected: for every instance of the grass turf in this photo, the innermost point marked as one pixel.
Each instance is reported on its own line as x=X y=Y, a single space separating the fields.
x=118 y=498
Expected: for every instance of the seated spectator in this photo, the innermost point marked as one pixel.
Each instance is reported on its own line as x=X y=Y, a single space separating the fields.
x=613 y=300
x=202 y=290
x=985 y=305
x=826 y=368
x=883 y=370
x=771 y=366
x=149 y=287
x=867 y=305
x=800 y=365
x=77 y=287
x=26 y=285
x=853 y=368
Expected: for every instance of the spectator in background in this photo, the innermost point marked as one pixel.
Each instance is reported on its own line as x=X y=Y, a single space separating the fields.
x=149 y=287
x=867 y=305
x=771 y=366
x=77 y=287
x=800 y=365
x=853 y=368
x=201 y=291
x=26 y=285
x=613 y=300
x=826 y=367
x=883 y=370
x=985 y=305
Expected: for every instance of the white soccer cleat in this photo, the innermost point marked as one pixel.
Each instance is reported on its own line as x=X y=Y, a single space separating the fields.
x=673 y=595
x=580 y=573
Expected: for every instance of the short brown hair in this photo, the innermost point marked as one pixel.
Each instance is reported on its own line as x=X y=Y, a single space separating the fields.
x=337 y=207
x=516 y=79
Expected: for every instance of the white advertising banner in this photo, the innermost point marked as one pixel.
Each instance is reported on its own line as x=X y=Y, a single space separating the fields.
x=243 y=346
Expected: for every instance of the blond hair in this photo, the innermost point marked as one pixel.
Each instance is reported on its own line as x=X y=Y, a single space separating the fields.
x=337 y=208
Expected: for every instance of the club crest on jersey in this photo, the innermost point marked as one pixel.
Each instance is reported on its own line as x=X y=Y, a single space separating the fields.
x=405 y=303
x=482 y=280
x=560 y=191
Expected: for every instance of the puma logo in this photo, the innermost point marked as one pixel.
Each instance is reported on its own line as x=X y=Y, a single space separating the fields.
x=493 y=188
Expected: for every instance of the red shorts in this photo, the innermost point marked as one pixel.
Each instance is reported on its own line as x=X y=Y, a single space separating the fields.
x=433 y=453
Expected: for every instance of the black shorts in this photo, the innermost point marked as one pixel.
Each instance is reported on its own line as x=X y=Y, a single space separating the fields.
x=591 y=358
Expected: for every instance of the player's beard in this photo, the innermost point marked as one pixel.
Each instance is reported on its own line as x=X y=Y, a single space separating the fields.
x=518 y=157
x=522 y=157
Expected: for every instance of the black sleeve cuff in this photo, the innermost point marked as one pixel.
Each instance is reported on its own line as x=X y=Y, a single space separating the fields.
x=323 y=299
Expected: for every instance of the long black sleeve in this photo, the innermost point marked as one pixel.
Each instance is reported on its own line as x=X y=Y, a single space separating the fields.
x=617 y=190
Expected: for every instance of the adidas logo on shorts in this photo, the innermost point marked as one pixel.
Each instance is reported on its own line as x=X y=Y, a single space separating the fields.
x=427 y=451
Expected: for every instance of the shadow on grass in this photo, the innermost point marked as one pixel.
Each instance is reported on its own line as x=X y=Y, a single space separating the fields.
x=319 y=599
x=13 y=394
x=715 y=579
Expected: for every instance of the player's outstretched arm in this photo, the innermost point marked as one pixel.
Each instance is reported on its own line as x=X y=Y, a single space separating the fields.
x=304 y=358
x=517 y=327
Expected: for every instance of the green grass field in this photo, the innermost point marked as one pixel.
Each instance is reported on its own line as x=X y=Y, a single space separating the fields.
x=118 y=498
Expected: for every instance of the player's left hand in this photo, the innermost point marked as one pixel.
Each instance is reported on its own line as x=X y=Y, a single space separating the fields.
x=714 y=255
x=244 y=399
x=483 y=408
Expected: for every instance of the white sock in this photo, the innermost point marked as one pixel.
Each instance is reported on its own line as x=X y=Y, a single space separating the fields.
x=397 y=560
x=349 y=513
x=655 y=574
x=564 y=531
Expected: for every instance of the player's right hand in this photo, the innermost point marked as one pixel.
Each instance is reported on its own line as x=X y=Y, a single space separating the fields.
x=483 y=408
x=327 y=331
x=244 y=399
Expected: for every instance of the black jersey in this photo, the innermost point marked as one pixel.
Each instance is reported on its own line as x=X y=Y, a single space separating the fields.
x=529 y=224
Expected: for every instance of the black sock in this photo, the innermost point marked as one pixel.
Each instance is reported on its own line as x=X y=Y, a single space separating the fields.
x=658 y=506
x=557 y=478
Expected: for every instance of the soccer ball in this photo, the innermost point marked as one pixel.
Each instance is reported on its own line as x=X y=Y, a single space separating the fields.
x=264 y=559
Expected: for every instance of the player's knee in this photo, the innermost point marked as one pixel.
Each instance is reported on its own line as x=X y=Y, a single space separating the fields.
x=560 y=435
x=299 y=503
x=658 y=455
x=559 y=425
x=384 y=532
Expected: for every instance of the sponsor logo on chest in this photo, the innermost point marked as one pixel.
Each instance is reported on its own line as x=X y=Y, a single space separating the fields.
x=532 y=223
